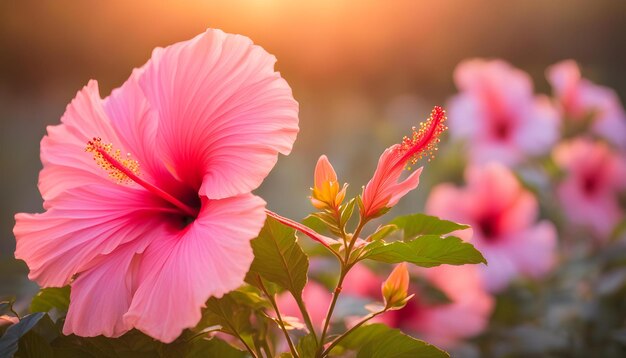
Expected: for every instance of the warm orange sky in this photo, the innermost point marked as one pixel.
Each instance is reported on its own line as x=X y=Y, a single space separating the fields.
x=394 y=44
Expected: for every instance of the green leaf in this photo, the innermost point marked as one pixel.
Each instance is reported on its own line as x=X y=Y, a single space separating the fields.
x=346 y=212
x=250 y=297
x=380 y=341
x=278 y=258
x=329 y=221
x=425 y=251
x=382 y=232
x=51 y=297
x=315 y=223
x=307 y=346
x=10 y=340
x=35 y=346
x=419 y=224
x=213 y=348
x=133 y=344
x=232 y=316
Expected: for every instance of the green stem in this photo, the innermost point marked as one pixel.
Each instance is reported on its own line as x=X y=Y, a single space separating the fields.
x=345 y=267
x=331 y=308
x=306 y=316
x=355 y=237
x=346 y=333
x=292 y=348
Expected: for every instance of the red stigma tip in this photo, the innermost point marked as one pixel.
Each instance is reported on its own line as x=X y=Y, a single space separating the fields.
x=424 y=139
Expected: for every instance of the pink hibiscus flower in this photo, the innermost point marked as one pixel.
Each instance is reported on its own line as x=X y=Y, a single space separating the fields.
x=444 y=324
x=385 y=189
x=498 y=114
x=579 y=97
x=503 y=218
x=595 y=175
x=146 y=238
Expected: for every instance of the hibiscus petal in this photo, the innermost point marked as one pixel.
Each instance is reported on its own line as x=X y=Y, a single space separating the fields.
x=466 y=316
x=137 y=125
x=79 y=225
x=209 y=258
x=402 y=188
x=65 y=163
x=534 y=249
x=101 y=296
x=540 y=129
x=564 y=78
x=224 y=114
x=450 y=203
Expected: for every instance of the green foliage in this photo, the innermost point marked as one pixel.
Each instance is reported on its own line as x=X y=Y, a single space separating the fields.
x=382 y=232
x=416 y=225
x=316 y=224
x=51 y=297
x=227 y=312
x=307 y=346
x=131 y=344
x=329 y=220
x=9 y=342
x=425 y=251
x=346 y=212
x=278 y=258
x=380 y=341
x=214 y=348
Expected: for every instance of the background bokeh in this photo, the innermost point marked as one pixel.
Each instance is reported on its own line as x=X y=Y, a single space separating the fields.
x=363 y=71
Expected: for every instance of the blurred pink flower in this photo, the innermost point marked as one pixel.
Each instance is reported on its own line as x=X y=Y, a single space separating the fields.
x=595 y=175
x=384 y=190
x=443 y=324
x=498 y=114
x=579 y=97
x=503 y=218
x=146 y=241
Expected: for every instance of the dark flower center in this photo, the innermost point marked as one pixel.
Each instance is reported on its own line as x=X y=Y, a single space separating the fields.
x=590 y=184
x=501 y=128
x=488 y=226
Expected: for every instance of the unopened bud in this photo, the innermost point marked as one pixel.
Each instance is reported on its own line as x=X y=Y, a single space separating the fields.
x=395 y=288
x=326 y=193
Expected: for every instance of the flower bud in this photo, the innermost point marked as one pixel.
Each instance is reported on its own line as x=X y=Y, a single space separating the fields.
x=326 y=193
x=395 y=288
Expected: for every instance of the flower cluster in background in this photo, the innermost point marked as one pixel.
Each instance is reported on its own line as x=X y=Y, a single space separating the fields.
x=543 y=189
x=541 y=182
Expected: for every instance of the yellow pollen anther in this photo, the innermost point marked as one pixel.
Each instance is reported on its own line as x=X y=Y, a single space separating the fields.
x=111 y=160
